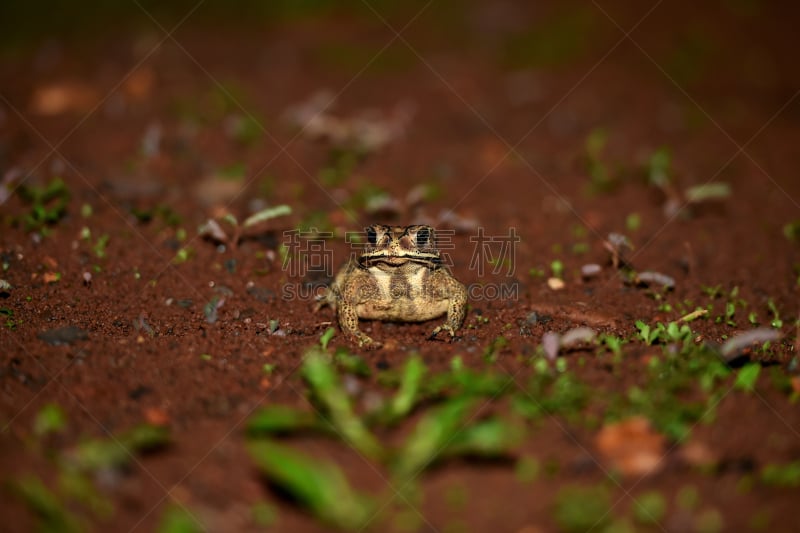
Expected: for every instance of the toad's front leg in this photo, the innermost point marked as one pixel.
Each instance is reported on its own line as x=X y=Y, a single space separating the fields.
x=456 y=308
x=348 y=321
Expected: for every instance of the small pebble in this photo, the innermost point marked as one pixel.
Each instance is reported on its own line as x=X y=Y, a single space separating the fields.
x=733 y=347
x=63 y=336
x=577 y=335
x=591 y=270
x=550 y=344
x=351 y=385
x=655 y=277
x=556 y=284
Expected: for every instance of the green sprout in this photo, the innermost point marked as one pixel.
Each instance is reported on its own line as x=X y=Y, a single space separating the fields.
x=602 y=179
x=48 y=204
x=557 y=267
x=213 y=228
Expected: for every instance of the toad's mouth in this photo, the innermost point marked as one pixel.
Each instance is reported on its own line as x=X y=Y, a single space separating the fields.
x=397 y=260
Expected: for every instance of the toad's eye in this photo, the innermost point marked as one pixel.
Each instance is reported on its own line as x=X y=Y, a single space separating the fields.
x=371 y=236
x=423 y=236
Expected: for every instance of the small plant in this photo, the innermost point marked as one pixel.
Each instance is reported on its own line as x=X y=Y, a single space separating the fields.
x=633 y=221
x=613 y=343
x=659 y=176
x=792 y=231
x=99 y=247
x=557 y=267
x=48 y=204
x=776 y=321
x=747 y=377
x=602 y=178
x=8 y=314
x=649 y=508
x=647 y=334
x=326 y=338
x=582 y=508
x=781 y=475
x=214 y=231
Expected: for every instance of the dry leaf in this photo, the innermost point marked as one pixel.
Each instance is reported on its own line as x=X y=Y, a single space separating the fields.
x=51 y=277
x=631 y=446
x=140 y=83
x=697 y=453
x=156 y=416
x=63 y=97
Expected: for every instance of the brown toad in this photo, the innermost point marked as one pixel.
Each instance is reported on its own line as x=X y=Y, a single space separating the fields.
x=398 y=278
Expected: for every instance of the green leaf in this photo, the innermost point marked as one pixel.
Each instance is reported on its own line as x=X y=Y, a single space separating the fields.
x=431 y=436
x=649 y=507
x=49 y=420
x=659 y=167
x=178 y=520
x=708 y=191
x=327 y=391
x=489 y=438
x=644 y=331
x=781 y=475
x=231 y=219
x=582 y=508
x=267 y=214
x=326 y=337
x=352 y=364
x=406 y=396
x=46 y=505
x=319 y=485
x=75 y=486
x=747 y=377
x=116 y=452
x=792 y=231
x=281 y=419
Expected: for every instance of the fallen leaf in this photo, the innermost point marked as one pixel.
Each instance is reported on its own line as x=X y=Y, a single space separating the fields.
x=697 y=453
x=58 y=98
x=140 y=83
x=632 y=446
x=156 y=416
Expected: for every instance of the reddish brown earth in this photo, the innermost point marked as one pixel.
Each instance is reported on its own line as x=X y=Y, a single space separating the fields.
x=505 y=145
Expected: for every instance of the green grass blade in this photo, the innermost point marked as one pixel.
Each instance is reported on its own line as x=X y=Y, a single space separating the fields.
x=407 y=395
x=99 y=454
x=46 y=505
x=431 y=436
x=266 y=214
x=277 y=419
x=320 y=486
x=327 y=391
x=488 y=438
x=178 y=520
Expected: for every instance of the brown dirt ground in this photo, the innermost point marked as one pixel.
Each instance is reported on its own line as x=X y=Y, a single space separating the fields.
x=728 y=112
